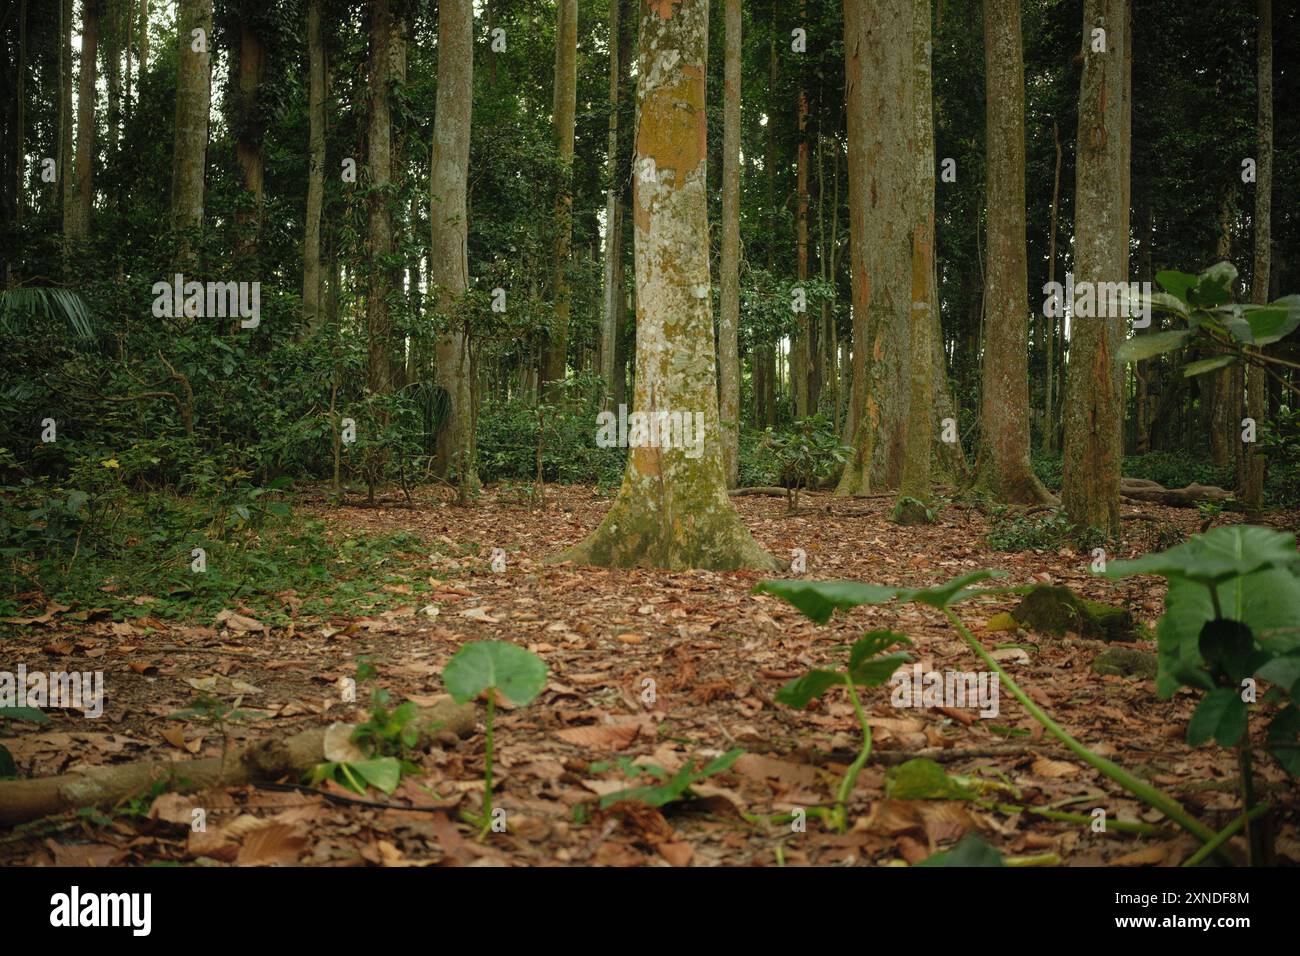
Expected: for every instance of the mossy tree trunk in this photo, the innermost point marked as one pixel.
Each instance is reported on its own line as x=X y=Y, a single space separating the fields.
x=673 y=510
x=1094 y=404
x=1004 y=414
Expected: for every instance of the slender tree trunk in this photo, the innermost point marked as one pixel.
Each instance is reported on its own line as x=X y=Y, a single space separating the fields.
x=673 y=510
x=1256 y=381
x=20 y=120
x=1217 y=390
x=66 y=181
x=613 y=309
x=311 y=246
x=1094 y=405
x=1004 y=414
x=193 y=100
x=110 y=27
x=1050 y=344
x=128 y=33
x=250 y=130
x=144 y=37
x=565 y=106
x=380 y=137
x=76 y=221
x=729 y=315
x=449 y=223
x=801 y=343
x=879 y=77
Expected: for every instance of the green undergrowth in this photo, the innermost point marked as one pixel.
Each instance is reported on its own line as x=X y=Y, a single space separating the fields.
x=137 y=556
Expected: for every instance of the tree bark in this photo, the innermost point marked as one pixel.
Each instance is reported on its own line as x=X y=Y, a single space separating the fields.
x=449 y=255
x=879 y=77
x=729 y=314
x=1256 y=381
x=1094 y=403
x=193 y=100
x=1004 y=413
x=613 y=309
x=673 y=510
x=381 y=245
x=250 y=130
x=311 y=245
x=76 y=221
x=564 y=108
x=66 y=181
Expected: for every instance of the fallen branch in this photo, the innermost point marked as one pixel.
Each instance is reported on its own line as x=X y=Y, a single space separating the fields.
x=263 y=760
x=1139 y=489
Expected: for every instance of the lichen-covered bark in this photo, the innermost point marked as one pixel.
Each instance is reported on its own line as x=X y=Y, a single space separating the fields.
x=193 y=100
x=879 y=98
x=1093 y=408
x=448 y=254
x=1004 y=412
x=729 y=312
x=673 y=510
x=1256 y=380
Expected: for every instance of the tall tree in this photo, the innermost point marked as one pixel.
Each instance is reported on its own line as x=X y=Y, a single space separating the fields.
x=448 y=253
x=249 y=124
x=1094 y=406
x=193 y=100
x=66 y=182
x=565 y=106
x=729 y=312
x=924 y=299
x=1004 y=412
x=673 y=510
x=1257 y=381
x=613 y=306
x=879 y=63
x=380 y=166
x=311 y=268
x=76 y=217
x=801 y=363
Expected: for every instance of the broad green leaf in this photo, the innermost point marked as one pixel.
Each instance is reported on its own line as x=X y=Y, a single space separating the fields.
x=1221 y=715
x=818 y=600
x=1207 y=365
x=1283 y=739
x=30 y=714
x=923 y=779
x=876 y=670
x=798 y=692
x=1217 y=555
x=1163 y=302
x=382 y=773
x=1179 y=663
x=1284 y=672
x=1277 y=320
x=873 y=643
x=516 y=672
x=1157 y=343
x=1213 y=286
x=1175 y=282
x=972 y=850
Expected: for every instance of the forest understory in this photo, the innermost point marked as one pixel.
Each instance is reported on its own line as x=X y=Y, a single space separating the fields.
x=714 y=654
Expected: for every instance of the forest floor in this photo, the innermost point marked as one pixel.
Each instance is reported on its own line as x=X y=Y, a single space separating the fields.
x=716 y=654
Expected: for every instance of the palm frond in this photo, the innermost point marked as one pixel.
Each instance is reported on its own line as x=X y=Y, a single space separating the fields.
x=49 y=303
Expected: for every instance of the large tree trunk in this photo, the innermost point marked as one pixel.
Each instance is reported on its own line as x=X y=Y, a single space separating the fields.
x=1216 y=387
x=76 y=217
x=1256 y=381
x=613 y=306
x=448 y=252
x=729 y=314
x=193 y=99
x=556 y=352
x=1050 y=322
x=673 y=510
x=311 y=268
x=1004 y=412
x=66 y=181
x=879 y=77
x=924 y=299
x=801 y=380
x=1094 y=402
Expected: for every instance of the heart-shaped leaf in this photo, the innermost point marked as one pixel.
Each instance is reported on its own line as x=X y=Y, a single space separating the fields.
x=818 y=600
x=514 y=671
